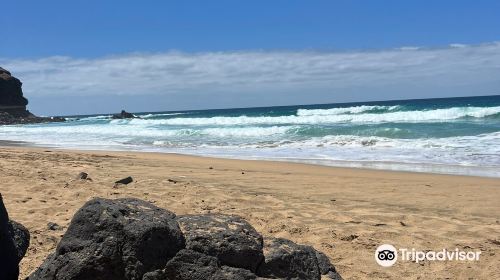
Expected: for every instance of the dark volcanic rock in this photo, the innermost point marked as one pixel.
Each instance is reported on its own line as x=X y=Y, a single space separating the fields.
x=8 y=119
x=192 y=265
x=9 y=259
x=114 y=239
x=124 y=115
x=285 y=259
x=189 y=264
x=154 y=275
x=133 y=239
x=232 y=240
x=125 y=181
x=14 y=241
x=53 y=226
x=232 y=273
x=326 y=267
x=13 y=103
x=21 y=237
x=11 y=93
x=82 y=176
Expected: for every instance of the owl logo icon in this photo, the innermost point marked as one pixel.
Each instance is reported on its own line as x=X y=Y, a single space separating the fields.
x=386 y=255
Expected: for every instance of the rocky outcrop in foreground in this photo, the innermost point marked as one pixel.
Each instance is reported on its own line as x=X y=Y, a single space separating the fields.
x=133 y=239
x=14 y=241
x=13 y=103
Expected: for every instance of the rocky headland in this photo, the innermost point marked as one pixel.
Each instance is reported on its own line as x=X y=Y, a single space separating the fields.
x=13 y=103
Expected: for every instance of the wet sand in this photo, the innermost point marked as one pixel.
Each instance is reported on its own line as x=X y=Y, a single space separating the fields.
x=343 y=212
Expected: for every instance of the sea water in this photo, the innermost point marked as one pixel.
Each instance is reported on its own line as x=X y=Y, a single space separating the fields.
x=449 y=135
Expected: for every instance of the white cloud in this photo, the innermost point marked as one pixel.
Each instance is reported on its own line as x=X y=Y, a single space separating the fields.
x=458 y=45
x=250 y=71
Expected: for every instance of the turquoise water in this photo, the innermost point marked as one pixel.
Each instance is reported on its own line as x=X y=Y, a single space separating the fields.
x=451 y=135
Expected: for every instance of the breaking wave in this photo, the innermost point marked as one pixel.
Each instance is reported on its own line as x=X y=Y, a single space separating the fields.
x=347 y=110
x=447 y=132
x=331 y=117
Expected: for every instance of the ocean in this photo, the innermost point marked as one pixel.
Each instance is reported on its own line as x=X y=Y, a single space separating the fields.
x=448 y=135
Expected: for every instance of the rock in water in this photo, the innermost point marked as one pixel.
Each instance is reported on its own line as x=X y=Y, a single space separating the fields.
x=114 y=239
x=14 y=241
x=124 y=115
x=232 y=240
x=285 y=259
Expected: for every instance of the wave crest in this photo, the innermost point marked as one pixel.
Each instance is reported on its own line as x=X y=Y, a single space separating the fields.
x=346 y=110
x=435 y=115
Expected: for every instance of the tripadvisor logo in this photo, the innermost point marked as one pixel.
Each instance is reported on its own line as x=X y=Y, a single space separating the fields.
x=386 y=255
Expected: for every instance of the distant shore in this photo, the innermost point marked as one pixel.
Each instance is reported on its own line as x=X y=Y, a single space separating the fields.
x=343 y=212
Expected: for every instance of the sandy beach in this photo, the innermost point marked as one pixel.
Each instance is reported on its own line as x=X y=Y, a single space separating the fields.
x=343 y=212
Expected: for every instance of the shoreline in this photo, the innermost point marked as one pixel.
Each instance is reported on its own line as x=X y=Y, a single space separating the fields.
x=344 y=212
x=362 y=165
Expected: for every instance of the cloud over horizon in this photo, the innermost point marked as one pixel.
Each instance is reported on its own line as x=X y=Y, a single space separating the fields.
x=282 y=76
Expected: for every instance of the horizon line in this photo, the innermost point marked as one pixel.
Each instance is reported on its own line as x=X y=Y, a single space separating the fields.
x=281 y=106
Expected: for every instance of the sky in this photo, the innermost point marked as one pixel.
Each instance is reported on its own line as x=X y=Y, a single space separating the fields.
x=85 y=57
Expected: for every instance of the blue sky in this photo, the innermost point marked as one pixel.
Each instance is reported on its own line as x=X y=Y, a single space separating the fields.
x=58 y=47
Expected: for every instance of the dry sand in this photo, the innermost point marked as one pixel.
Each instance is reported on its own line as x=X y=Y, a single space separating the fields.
x=344 y=212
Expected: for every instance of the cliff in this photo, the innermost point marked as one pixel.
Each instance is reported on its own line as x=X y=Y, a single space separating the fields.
x=13 y=103
x=11 y=95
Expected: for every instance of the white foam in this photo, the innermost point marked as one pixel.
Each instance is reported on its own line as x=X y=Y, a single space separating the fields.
x=120 y=129
x=482 y=151
x=281 y=137
x=346 y=110
x=161 y=115
x=484 y=142
x=248 y=131
x=435 y=115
